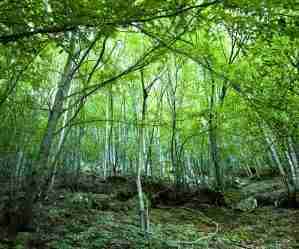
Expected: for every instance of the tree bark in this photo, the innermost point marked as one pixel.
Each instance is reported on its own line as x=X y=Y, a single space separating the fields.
x=213 y=138
x=41 y=167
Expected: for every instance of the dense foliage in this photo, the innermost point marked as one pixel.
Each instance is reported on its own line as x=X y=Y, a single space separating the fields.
x=191 y=91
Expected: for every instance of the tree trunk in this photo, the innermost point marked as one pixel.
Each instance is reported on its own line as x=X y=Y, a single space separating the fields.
x=41 y=168
x=213 y=139
x=143 y=208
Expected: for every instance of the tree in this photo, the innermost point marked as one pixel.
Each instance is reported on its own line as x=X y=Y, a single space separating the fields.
x=69 y=76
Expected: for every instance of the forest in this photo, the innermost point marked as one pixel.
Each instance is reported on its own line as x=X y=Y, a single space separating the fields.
x=149 y=124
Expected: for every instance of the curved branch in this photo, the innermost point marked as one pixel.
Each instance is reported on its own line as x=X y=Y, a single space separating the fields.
x=4 y=39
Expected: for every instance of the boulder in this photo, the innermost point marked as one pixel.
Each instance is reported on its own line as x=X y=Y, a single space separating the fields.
x=247 y=205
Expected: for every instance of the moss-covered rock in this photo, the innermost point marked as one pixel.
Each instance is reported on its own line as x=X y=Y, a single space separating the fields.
x=232 y=198
x=247 y=205
x=133 y=203
x=22 y=240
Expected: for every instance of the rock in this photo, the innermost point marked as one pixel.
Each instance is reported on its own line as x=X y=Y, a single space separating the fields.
x=108 y=202
x=266 y=186
x=271 y=198
x=133 y=203
x=22 y=240
x=247 y=205
x=119 y=244
x=125 y=194
x=89 y=200
x=117 y=206
x=172 y=244
x=232 y=198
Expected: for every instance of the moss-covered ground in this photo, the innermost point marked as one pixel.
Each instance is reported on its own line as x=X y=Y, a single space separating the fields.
x=93 y=221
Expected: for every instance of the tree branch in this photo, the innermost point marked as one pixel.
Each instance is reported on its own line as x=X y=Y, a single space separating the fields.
x=4 y=39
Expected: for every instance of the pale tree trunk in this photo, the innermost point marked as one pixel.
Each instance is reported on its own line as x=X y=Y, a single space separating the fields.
x=62 y=138
x=14 y=176
x=111 y=150
x=275 y=155
x=145 y=168
x=40 y=171
x=140 y=164
x=53 y=119
x=148 y=162
x=258 y=166
x=172 y=100
x=100 y=134
x=125 y=131
x=119 y=139
x=109 y=157
x=145 y=94
x=110 y=146
x=295 y=146
x=190 y=172
x=20 y=166
x=78 y=156
x=107 y=129
x=159 y=138
x=292 y=168
x=41 y=168
x=276 y=159
x=173 y=144
x=293 y=162
x=292 y=152
x=161 y=157
x=143 y=207
x=213 y=138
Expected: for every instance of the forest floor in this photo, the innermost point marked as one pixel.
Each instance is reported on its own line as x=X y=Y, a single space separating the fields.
x=105 y=215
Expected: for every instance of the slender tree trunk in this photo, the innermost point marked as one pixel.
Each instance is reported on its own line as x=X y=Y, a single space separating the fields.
x=62 y=138
x=276 y=159
x=40 y=170
x=293 y=162
x=213 y=138
x=109 y=167
x=125 y=136
x=148 y=162
x=160 y=151
x=275 y=155
x=143 y=207
x=142 y=211
x=78 y=156
x=172 y=90
x=54 y=115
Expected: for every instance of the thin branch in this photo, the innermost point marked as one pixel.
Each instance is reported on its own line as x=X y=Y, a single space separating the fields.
x=234 y=85
x=98 y=60
x=71 y=27
x=9 y=90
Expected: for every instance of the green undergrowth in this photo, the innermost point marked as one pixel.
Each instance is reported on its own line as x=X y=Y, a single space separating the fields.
x=93 y=221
